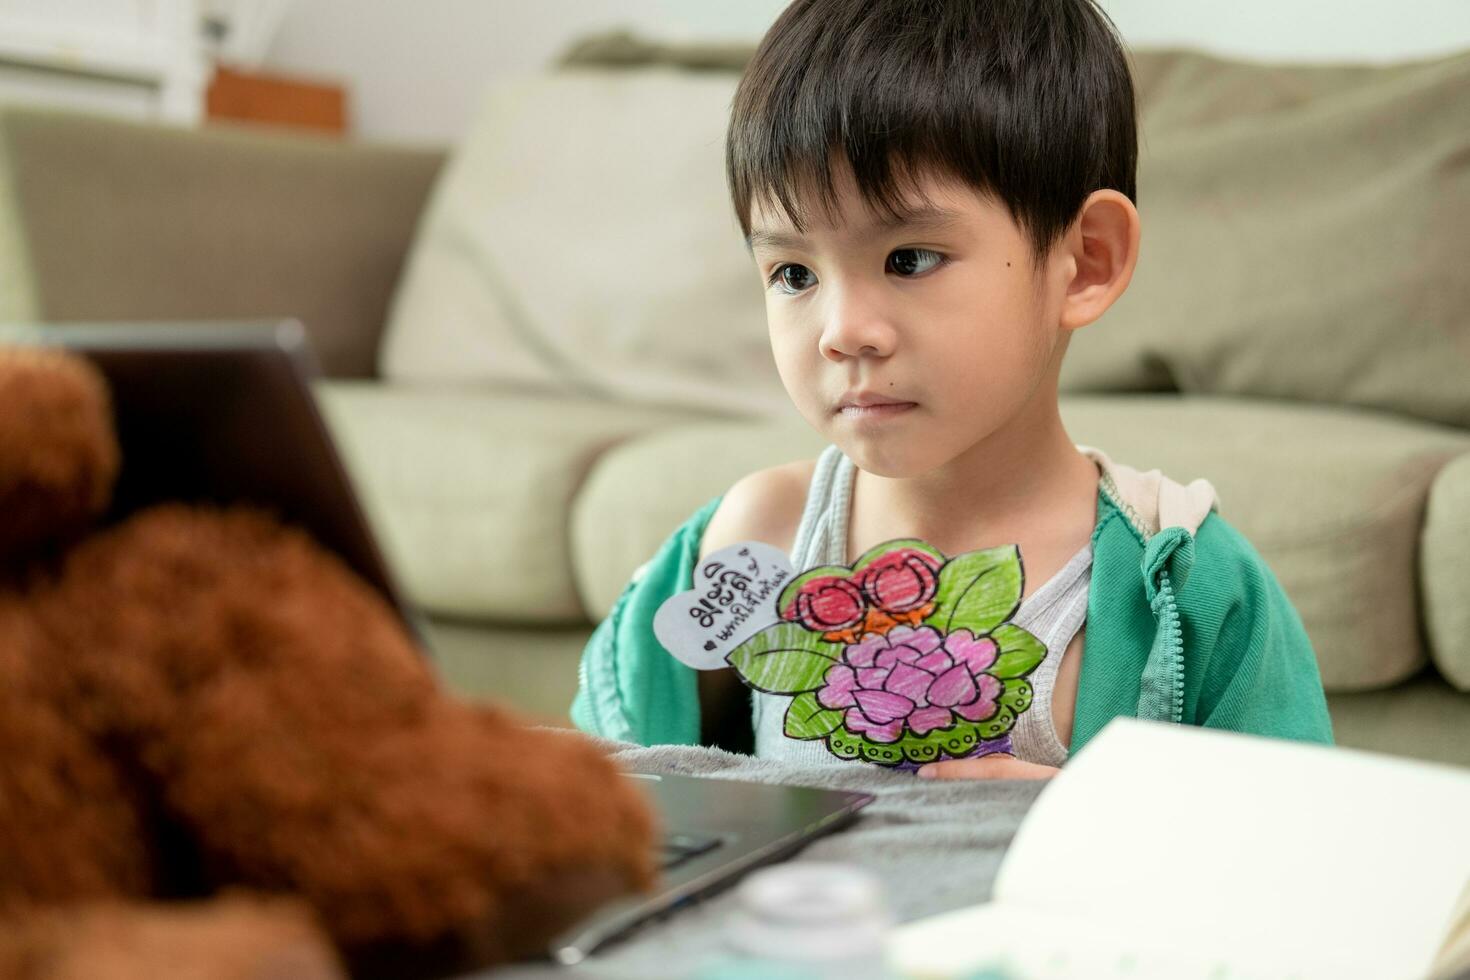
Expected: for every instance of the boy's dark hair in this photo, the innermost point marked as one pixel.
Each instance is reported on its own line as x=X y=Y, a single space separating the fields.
x=1030 y=101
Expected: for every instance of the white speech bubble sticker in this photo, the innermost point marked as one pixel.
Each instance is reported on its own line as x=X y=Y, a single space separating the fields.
x=734 y=597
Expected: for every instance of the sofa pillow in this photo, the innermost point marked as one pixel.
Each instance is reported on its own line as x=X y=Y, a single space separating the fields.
x=1285 y=208
x=621 y=48
x=581 y=239
x=1444 y=564
x=1304 y=237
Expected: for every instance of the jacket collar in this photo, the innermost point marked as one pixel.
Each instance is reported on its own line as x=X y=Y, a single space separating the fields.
x=1150 y=500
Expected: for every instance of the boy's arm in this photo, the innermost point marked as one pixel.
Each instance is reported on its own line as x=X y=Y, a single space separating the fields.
x=630 y=689
x=1261 y=676
x=764 y=506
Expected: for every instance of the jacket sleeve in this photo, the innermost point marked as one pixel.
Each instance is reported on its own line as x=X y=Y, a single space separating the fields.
x=629 y=688
x=1261 y=674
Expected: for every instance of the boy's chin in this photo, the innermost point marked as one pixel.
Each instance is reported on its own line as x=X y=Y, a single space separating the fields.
x=899 y=461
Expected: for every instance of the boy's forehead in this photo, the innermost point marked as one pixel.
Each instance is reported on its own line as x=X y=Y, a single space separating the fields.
x=929 y=204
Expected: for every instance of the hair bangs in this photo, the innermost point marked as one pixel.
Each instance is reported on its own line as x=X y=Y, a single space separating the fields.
x=845 y=110
x=1027 y=101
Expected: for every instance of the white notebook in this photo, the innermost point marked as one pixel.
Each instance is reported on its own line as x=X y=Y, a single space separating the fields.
x=1176 y=852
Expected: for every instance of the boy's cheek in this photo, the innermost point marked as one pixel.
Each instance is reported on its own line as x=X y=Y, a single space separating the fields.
x=798 y=362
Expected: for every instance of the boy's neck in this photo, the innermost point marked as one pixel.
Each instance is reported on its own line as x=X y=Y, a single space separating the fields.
x=1024 y=482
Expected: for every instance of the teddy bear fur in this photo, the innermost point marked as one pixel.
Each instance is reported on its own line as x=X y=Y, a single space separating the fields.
x=233 y=937
x=198 y=699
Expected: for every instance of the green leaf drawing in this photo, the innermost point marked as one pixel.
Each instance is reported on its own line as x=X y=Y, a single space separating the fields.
x=997 y=724
x=845 y=745
x=956 y=740
x=978 y=590
x=788 y=594
x=1020 y=652
x=878 y=551
x=1016 y=695
x=784 y=659
x=806 y=718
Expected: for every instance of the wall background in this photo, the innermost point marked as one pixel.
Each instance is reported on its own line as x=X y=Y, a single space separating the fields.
x=416 y=70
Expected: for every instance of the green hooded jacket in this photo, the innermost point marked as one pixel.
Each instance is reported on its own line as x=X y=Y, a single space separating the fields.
x=1185 y=623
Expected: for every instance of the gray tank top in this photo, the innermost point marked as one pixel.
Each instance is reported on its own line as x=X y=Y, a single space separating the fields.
x=1053 y=613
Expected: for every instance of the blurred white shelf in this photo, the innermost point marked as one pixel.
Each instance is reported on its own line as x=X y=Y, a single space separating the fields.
x=143 y=59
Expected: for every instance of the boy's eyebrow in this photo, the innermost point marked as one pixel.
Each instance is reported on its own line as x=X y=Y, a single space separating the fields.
x=926 y=218
x=772 y=239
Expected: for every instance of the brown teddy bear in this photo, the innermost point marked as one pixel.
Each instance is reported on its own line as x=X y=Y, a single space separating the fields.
x=202 y=704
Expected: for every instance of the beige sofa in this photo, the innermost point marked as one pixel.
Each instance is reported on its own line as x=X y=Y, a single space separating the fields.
x=1296 y=332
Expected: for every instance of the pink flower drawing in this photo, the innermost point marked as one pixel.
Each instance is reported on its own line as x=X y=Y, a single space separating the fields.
x=914 y=679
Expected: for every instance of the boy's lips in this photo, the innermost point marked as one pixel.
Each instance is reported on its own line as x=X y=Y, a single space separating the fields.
x=869 y=405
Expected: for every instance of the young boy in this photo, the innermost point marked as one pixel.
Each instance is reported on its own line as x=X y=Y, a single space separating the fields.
x=936 y=194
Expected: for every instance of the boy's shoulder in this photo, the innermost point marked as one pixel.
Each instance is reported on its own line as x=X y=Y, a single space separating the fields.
x=1222 y=551
x=1223 y=541
x=764 y=506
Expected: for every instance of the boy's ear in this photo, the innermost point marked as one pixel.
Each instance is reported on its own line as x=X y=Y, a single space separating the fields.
x=1104 y=243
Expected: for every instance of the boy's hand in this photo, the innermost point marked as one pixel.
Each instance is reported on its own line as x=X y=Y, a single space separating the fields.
x=997 y=766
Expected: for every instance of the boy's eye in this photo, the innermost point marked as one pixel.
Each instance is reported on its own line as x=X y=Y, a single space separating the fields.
x=913 y=261
x=792 y=278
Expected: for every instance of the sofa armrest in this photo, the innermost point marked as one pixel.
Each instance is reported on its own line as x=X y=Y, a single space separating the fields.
x=119 y=220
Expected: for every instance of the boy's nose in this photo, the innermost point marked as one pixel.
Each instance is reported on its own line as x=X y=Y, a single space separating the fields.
x=855 y=329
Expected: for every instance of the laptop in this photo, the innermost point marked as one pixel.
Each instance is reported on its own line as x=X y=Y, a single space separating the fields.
x=223 y=413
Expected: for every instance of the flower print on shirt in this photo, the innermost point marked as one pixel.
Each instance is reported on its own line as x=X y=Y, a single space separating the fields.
x=905 y=658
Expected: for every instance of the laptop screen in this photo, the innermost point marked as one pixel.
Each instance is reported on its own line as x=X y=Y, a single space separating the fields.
x=223 y=413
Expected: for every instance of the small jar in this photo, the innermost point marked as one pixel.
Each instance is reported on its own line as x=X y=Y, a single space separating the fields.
x=814 y=919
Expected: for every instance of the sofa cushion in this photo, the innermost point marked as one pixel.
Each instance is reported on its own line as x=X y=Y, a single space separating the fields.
x=1444 y=564
x=533 y=668
x=470 y=492
x=582 y=239
x=1423 y=718
x=1333 y=499
x=1293 y=209
x=639 y=492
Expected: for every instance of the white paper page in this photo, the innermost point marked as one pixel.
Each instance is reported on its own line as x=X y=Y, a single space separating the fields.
x=1018 y=943
x=1249 y=849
